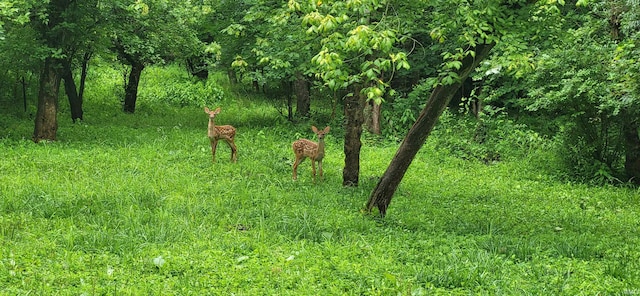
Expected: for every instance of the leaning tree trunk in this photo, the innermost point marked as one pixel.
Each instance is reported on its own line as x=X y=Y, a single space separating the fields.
x=75 y=102
x=353 y=111
x=131 y=90
x=46 y=123
x=301 y=91
x=417 y=135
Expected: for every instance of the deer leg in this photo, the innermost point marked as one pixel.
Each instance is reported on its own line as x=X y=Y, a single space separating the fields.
x=313 y=169
x=295 y=167
x=320 y=168
x=234 y=150
x=214 y=144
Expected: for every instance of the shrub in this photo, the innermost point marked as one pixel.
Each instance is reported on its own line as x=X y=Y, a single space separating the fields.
x=591 y=153
x=175 y=88
x=492 y=137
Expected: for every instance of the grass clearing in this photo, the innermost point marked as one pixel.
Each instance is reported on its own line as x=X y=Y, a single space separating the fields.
x=132 y=204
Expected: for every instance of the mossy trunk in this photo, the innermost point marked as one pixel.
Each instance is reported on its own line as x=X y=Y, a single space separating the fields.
x=301 y=91
x=46 y=122
x=372 y=117
x=354 y=117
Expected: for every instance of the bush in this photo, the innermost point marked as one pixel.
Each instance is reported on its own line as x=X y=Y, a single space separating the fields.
x=591 y=153
x=176 y=88
x=491 y=138
x=400 y=113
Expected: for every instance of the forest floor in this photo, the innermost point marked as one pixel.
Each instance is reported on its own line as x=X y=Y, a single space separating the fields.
x=133 y=204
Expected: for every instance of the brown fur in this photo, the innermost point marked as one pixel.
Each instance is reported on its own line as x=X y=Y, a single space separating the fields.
x=226 y=133
x=304 y=148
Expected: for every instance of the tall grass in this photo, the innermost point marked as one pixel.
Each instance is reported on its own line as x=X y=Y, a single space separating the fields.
x=132 y=204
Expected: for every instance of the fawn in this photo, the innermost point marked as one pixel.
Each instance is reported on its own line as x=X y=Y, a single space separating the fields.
x=220 y=132
x=304 y=148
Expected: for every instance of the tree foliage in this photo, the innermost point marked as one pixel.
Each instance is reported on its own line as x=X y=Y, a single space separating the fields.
x=472 y=33
x=586 y=84
x=152 y=32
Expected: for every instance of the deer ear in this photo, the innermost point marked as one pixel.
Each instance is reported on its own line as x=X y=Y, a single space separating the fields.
x=217 y=110
x=326 y=130
x=314 y=129
x=206 y=110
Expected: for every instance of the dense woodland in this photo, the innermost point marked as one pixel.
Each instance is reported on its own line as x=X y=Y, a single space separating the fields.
x=552 y=84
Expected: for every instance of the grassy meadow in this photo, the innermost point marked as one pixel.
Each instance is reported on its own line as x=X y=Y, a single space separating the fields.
x=128 y=204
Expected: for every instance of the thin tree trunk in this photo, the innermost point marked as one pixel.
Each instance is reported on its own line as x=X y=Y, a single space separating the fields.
x=301 y=91
x=233 y=78
x=417 y=135
x=83 y=75
x=46 y=122
x=353 y=111
x=75 y=103
x=15 y=86
x=131 y=90
x=24 y=94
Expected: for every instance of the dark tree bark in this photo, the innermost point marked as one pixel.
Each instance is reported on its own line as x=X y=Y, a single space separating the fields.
x=632 y=155
x=24 y=93
x=286 y=90
x=301 y=91
x=131 y=89
x=417 y=135
x=290 y=108
x=46 y=123
x=353 y=113
x=198 y=67
x=75 y=102
x=83 y=74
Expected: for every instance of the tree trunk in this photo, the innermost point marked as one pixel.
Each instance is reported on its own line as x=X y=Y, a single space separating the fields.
x=75 y=102
x=131 y=90
x=417 y=135
x=24 y=94
x=301 y=91
x=372 y=117
x=632 y=155
x=290 y=108
x=46 y=123
x=83 y=74
x=353 y=111
x=233 y=78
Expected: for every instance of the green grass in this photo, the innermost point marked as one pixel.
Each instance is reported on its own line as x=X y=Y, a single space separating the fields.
x=132 y=205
